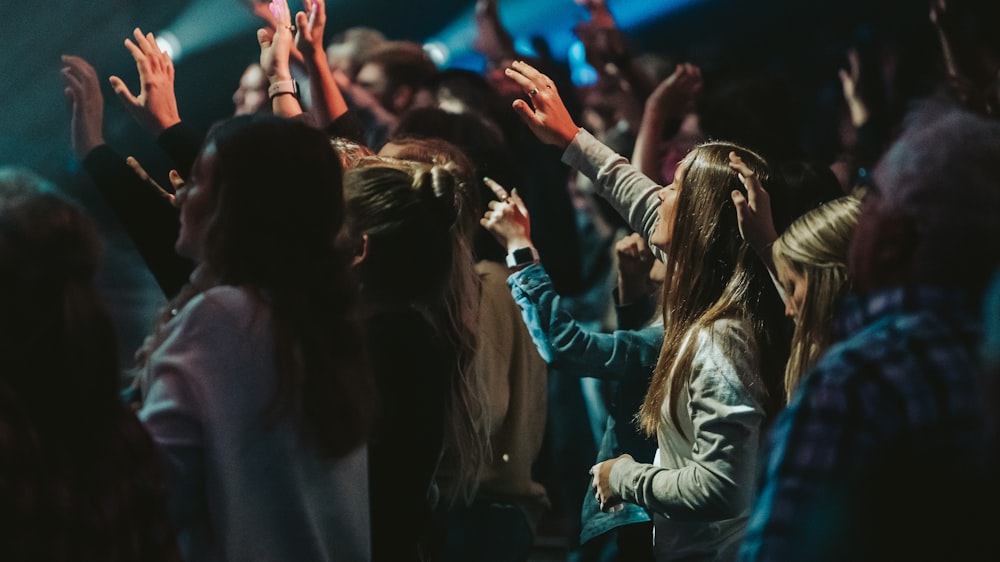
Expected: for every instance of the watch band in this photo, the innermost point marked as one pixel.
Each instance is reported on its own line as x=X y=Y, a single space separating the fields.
x=283 y=87
x=522 y=257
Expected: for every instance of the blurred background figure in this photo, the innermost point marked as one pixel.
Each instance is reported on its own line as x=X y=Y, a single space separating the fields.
x=79 y=476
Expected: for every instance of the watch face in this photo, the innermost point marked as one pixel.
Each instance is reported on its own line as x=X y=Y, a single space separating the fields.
x=522 y=256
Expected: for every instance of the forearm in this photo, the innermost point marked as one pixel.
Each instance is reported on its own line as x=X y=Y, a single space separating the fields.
x=630 y=192
x=182 y=144
x=149 y=219
x=563 y=343
x=328 y=101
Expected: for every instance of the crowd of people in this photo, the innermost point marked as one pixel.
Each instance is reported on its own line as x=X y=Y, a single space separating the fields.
x=383 y=277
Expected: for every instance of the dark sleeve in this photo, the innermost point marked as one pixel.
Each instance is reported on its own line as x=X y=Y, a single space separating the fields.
x=147 y=216
x=182 y=144
x=634 y=315
x=347 y=126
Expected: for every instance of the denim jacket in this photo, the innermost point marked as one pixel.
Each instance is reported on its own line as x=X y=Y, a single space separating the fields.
x=626 y=357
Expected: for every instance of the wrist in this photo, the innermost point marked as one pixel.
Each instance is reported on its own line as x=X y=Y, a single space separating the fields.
x=518 y=242
x=281 y=87
x=522 y=257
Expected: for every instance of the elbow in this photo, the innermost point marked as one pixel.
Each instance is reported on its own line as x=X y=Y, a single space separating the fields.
x=726 y=499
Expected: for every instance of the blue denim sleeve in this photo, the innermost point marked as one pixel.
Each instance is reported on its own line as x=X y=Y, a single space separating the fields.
x=564 y=344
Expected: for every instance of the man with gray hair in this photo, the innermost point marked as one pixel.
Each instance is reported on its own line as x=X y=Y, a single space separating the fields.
x=879 y=454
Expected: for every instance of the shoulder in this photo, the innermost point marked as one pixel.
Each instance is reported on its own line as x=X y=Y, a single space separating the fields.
x=223 y=304
x=725 y=359
x=726 y=337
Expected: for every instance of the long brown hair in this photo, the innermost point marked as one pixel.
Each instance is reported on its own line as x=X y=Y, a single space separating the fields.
x=278 y=188
x=711 y=274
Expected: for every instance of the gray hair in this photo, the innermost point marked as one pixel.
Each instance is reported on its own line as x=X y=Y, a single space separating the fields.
x=942 y=172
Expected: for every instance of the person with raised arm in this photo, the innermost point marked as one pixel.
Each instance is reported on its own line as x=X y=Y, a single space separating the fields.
x=625 y=357
x=717 y=381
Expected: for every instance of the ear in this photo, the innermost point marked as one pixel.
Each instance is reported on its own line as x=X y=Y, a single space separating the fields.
x=360 y=250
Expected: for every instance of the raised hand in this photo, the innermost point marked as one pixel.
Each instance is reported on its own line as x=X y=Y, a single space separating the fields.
x=507 y=219
x=547 y=115
x=155 y=108
x=602 y=40
x=635 y=261
x=310 y=25
x=83 y=91
x=276 y=43
x=492 y=39
x=849 y=79
x=676 y=94
x=753 y=210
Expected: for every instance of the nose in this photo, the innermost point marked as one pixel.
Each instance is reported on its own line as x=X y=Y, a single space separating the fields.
x=661 y=194
x=789 y=310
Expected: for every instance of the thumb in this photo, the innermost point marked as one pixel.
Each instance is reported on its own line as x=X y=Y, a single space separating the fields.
x=302 y=24
x=122 y=90
x=739 y=200
x=516 y=198
x=525 y=111
x=265 y=36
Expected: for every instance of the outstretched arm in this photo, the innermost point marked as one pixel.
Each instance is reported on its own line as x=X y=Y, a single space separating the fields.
x=275 y=46
x=665 y=107
x=327 y=100
x=144 y=212
x=83 y=92
x=559 y=338
x=492 y=39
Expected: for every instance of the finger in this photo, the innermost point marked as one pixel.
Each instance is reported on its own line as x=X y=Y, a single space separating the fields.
x=317 y=14
x=71 y=79
x=517 y=76
x=145 y=42
x=284 y=15
x=303 y=26
x=265 y=36
x=122 y=90
x=526 y=112
x=515 y=198
x=144 y=176
x=498 y=190
x=152 y=46
x=529 y=72
x=845 y=78
x=137 y=53
x=855 y=63
x=740 y=201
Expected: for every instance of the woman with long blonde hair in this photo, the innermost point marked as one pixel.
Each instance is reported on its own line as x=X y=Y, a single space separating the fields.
x=810 y=258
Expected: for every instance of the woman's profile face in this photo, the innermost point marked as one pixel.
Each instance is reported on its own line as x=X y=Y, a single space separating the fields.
x=795 y=289
x=197 y=203
x=663 y=230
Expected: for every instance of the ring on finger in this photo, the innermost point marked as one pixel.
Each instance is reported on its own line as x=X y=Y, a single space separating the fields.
x=532 y=91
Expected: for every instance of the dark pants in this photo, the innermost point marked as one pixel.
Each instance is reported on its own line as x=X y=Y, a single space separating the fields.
x=487 y=532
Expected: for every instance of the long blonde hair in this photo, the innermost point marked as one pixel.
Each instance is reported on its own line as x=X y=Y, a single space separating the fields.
x=711 y=274
x=815 y=247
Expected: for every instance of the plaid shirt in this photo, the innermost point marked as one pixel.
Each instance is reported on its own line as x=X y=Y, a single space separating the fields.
x=897 y=396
